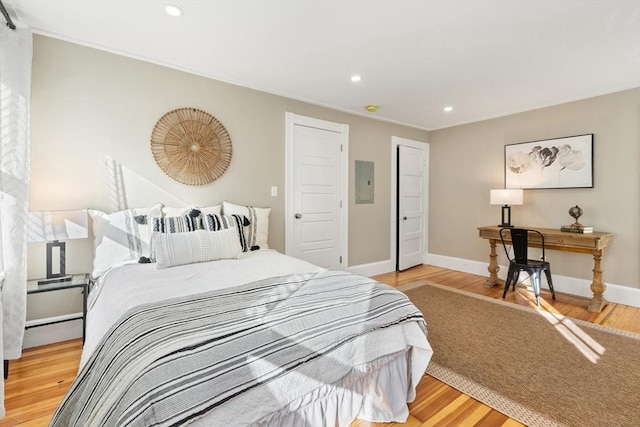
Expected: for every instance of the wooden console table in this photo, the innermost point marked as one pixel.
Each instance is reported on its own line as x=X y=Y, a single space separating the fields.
x=589 y=243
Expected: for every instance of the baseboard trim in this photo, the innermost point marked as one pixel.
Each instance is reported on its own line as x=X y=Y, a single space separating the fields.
x=565 y=284
x=48 y=334
x=618 y=294
x=569 y=285
x=373 y=268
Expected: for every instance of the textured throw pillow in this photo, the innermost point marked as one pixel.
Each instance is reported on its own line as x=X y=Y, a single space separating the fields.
x=176 y=224
x=212 y=222
x=257 y=233
x=168 y=211
x=174 y=249
x=121 y=236
x=173 y=224
x=171 y=212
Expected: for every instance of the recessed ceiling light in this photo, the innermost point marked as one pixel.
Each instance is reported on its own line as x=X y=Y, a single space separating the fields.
x=356 y=78
x=172 y=10
x=372 y=108
x=448 y=109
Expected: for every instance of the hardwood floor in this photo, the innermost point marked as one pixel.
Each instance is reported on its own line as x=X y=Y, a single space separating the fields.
x=38 y=381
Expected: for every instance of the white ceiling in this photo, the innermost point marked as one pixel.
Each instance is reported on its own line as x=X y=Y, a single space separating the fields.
x=485 y=58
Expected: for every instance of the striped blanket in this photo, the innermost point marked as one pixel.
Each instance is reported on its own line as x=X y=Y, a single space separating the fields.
x=172 y=362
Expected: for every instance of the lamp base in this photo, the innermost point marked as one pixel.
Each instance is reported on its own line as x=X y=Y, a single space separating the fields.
x=55 y=259
x=506 y=217
x=55 y=280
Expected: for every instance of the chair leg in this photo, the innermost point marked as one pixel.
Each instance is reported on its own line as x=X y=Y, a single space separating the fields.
x=506 y=284
x=509 y=280
x=547 y=272
x=534 y=276
x=516 y=276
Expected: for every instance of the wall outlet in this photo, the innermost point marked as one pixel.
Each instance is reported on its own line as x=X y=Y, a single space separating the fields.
x=274 y=191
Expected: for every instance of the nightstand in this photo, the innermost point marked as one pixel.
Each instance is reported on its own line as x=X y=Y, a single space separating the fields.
x=81 y=280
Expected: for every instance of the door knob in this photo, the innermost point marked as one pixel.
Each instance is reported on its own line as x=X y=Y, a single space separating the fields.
x=404 y=218
x=298 y=216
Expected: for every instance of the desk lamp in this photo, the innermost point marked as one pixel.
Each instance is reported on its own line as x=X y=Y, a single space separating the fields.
x=52 y=227
x=506 y=198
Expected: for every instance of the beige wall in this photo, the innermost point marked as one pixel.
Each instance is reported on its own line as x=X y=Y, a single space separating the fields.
x=467 y=161
x=89 y=105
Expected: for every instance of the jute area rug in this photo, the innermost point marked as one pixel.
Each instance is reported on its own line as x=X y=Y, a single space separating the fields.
x=539 y=368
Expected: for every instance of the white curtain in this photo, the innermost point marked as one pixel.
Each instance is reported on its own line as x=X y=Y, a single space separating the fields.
x=15 y=83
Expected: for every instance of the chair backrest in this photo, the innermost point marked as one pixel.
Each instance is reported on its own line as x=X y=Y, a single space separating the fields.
x=520 y=243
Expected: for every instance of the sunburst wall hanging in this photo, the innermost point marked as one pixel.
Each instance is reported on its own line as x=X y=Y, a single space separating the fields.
x=191 y=146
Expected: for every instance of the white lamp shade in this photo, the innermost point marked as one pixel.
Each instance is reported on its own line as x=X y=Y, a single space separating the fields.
x=506 y=197
x=56 y=225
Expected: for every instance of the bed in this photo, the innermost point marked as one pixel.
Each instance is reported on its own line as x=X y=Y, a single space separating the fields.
x=255 y=339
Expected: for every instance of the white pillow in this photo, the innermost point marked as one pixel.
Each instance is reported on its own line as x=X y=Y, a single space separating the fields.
x=213 y=222
x=121 y=236
x=178 y=212
x=216 y=209
x=257 y=233
x=176 y=224
x=196 y=246
x=173 y=224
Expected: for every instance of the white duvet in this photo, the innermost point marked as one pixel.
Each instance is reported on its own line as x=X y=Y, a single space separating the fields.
x=131 y=284
x=392 y=360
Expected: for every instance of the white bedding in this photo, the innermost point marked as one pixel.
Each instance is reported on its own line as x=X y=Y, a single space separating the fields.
x=388 y=362
x=131 y=284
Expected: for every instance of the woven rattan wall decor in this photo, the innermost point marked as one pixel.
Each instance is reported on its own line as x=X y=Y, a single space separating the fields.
x=191 y=146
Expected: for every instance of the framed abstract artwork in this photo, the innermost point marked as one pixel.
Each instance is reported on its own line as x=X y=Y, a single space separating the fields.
x=552 y=163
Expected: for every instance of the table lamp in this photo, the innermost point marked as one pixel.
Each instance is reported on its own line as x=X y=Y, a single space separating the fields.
x=506 y=197
x=54 y=227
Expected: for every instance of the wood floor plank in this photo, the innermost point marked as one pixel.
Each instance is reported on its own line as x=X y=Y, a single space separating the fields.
x=432 y=405
x=607 y=315
x=38 y=381
x=476 y=413
x=470 y=412
x=445 y=416
x=495 y=418
x=628 y=317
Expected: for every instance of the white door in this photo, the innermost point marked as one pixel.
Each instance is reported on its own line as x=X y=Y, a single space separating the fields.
x=411 y=212
x=315 y=207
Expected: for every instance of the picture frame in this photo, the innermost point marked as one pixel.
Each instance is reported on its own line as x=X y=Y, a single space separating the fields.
x=565 y=162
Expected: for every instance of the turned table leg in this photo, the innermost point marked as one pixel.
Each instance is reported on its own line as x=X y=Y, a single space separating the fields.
x=493 y=265
x=597 y=302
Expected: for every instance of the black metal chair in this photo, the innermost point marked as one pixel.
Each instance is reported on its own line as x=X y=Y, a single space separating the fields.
x=520 y=261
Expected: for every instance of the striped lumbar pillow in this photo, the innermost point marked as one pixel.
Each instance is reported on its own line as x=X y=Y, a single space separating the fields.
x=213 y=222
x=174 y=249
x=175 y=224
